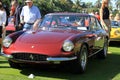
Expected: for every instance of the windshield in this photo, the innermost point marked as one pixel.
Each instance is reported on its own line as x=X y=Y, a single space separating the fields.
x=65 y=21
x=114 y=24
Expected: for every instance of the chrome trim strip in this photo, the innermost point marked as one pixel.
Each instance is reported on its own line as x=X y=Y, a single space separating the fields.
x=60 y=58
x=95 y=53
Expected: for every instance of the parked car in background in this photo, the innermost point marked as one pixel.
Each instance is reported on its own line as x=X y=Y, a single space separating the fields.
x=115 y=31
x=10 y=28
x=61 y=38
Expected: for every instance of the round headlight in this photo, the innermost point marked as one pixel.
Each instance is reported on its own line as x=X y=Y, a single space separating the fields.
x=7 y=42
x=68 y=45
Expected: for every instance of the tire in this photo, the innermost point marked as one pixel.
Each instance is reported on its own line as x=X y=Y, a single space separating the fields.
x=103 y=53
x=81 y=61
x=14 y=65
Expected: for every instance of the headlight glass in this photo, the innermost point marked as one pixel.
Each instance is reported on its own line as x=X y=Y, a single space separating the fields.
x=68 y=45
x=7 y=42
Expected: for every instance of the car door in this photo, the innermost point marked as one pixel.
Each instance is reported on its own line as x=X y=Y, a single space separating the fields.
x=97 y=31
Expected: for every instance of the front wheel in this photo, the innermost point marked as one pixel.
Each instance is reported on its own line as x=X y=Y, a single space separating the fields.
x=81 y=61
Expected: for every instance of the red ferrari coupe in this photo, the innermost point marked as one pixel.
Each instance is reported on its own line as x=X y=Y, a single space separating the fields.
x=61 y=37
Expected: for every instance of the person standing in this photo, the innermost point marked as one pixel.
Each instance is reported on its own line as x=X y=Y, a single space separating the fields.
x=2 y=22
x=117 y=17
x=97 y=15
x=111 y=17
x=13 y=7
x=16 y=14
x=104 y=16
x=30 y=16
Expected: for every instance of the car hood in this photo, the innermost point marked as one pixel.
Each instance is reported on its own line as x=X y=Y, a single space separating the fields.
x=42 y=42
x=46 y=37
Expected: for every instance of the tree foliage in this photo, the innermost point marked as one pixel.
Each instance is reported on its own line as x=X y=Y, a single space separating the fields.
x=48 y=6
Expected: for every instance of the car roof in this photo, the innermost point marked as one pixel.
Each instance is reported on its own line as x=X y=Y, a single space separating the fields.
x=68 y=13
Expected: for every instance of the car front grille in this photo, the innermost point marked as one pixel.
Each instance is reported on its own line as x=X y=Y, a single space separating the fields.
x=29 y=57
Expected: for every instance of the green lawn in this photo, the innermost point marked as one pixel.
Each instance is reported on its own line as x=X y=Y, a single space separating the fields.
x=108 y=69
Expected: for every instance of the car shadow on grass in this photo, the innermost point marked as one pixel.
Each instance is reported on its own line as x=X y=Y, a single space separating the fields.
x=114 y=44
x=97 y=69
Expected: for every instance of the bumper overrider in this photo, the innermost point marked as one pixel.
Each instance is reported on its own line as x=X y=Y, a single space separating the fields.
x=48 y=59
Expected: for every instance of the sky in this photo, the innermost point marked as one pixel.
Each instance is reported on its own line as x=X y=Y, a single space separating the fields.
x=93 y=1
x=89 y=1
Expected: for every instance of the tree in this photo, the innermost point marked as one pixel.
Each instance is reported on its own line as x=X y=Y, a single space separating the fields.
x=117 y=4
x=89 y=5
x=98 y=3
x=77 y=6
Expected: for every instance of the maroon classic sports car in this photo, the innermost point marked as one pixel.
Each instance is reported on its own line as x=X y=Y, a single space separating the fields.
x=61 y=37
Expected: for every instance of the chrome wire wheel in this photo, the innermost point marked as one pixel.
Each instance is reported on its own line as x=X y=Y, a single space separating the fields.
x=83 y=57
x=79 y=66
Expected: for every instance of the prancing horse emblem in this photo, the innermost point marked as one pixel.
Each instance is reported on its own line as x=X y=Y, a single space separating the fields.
x=31 y=57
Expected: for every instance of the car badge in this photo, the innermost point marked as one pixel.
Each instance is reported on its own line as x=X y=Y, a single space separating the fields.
x=32 y=46
x=31 y=57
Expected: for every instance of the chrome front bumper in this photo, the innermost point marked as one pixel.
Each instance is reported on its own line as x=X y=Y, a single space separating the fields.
x=114 y=39
x=49 y=59
x=61 y=58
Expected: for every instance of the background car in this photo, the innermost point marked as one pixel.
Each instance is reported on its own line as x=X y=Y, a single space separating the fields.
x=10 y=28
x=61 y=38
x=115 y=31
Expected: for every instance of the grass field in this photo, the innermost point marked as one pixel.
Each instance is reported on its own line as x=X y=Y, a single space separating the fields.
x=108 y=69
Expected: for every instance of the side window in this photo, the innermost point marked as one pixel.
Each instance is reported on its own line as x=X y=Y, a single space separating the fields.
x=99 y=26
x=93 y=23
